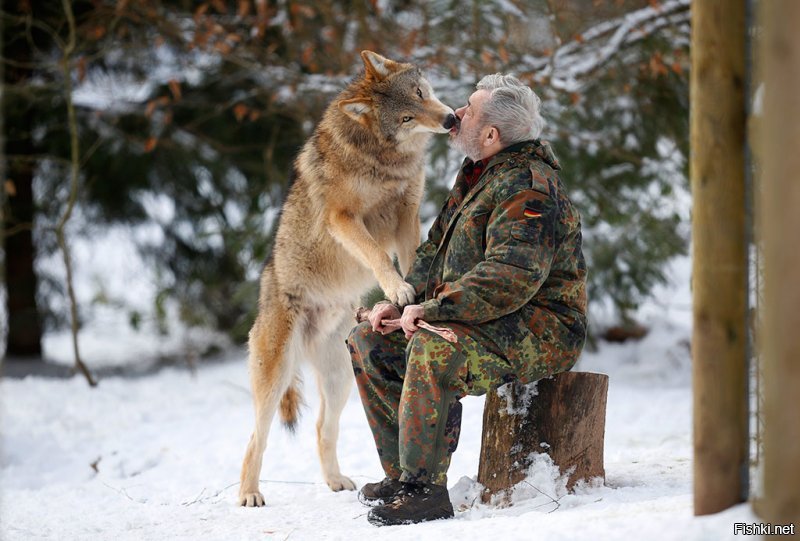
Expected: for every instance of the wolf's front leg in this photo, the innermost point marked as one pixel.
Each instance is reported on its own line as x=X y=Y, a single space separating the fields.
x=399 y=292
x=351 y=233
x=407 y=237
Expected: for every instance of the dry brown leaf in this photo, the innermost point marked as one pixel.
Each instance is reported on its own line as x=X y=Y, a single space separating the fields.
x=223 y=47
x=303 y=10
x=219 y=5
x=308 y=55
x=81 y=69
x=201 y=10
x=244 y=8
x=240 y=110
x=151 y=106
x=503 y=52
x=175 y=88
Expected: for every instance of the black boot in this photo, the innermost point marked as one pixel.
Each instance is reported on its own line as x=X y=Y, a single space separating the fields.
x=381 y=492
x=412 y=504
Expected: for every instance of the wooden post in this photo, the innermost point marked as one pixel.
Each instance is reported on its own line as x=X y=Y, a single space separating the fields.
x=719 y=256
x=779 y=218
x=563 y=416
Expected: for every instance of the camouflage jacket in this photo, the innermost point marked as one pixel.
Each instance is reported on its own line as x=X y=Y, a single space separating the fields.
x=506 y=257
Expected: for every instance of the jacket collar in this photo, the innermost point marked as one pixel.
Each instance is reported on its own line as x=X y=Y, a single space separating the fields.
x=535 y=147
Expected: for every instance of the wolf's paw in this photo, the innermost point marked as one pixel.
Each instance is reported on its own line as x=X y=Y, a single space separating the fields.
x=340 y=482
x=251 y=499
x=402 y=294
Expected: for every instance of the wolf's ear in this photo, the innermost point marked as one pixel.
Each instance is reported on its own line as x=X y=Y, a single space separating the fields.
x=377 y=67
x=356 y=108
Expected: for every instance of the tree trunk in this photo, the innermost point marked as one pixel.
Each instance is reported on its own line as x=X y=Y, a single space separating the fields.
x=780 y=222
x=24 y=322
x=719 y=256
x=563 y=416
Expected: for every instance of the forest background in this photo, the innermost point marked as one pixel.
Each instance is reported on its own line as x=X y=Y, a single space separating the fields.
x=163 y=133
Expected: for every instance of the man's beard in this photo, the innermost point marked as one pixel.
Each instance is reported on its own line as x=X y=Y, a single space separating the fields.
x=468 y=143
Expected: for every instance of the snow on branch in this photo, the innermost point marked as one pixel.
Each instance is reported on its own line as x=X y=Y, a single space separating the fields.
x=600 y=43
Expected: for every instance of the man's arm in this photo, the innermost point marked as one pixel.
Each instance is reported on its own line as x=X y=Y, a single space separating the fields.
x=520 y=244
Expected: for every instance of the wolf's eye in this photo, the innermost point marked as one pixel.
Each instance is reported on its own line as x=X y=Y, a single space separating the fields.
x=407 y=118
x=419 y=93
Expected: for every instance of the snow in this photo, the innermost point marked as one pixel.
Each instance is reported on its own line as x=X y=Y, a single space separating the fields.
x=158 y=456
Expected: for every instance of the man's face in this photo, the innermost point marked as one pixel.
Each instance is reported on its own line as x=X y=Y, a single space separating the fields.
x=468 y=137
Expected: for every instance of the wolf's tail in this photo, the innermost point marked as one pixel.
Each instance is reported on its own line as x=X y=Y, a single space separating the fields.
x=290 y=404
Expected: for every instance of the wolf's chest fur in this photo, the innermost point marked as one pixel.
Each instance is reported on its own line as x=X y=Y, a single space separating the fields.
x=374 y=180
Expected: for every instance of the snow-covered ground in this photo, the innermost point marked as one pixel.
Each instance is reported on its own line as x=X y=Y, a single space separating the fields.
x=157 y=457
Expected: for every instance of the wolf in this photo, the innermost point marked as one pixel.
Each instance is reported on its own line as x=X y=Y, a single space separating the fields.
x=354 y=204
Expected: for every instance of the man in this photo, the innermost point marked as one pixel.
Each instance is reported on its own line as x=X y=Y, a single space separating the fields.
x=503 y=268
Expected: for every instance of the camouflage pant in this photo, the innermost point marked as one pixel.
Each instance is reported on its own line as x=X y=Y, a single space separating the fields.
x=410 y=390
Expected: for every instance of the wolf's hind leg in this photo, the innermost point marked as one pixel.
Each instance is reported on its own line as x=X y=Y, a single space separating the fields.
x=334 y=379
x=272 y=370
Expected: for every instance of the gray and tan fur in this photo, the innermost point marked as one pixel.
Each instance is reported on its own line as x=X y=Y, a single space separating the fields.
x=355 y=203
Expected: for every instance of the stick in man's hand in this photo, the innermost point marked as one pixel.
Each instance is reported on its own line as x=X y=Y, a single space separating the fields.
x=362 y=314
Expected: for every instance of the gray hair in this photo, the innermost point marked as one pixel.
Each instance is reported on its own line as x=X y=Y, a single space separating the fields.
x=512 y=108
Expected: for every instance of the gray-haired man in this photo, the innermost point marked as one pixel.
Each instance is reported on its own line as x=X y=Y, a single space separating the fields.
x=503 y=268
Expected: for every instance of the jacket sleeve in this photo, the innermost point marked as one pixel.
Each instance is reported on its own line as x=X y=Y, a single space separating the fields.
x=418 y=274
x=520 y=244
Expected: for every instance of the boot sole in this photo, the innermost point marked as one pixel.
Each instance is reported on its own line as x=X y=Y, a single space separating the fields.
x=433 y=514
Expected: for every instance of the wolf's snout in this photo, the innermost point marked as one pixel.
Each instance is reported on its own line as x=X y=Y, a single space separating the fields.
x=450 y=122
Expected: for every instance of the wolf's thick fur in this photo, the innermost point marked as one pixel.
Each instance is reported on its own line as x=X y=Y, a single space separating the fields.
x=355 y=201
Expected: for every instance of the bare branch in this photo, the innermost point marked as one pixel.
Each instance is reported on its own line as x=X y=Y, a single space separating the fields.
x=18 y=228
x=73 y=194
x=31 y=22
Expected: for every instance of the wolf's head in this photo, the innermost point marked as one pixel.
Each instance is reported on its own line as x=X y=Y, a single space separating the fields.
x=395 y=101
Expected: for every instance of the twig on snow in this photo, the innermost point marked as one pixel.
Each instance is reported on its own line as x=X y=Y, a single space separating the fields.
x=553 y=500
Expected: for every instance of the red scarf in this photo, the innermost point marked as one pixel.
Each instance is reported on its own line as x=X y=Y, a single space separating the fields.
x=472 y=172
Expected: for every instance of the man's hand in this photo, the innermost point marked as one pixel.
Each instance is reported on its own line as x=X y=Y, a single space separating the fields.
x=380 y=312
x=411 y=313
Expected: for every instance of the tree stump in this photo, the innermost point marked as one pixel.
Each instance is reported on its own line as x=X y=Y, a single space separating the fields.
x=563 y=416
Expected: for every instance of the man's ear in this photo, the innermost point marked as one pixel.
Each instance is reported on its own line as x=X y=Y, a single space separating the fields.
x=356 y=108
x=376 y=66
x=492 y=136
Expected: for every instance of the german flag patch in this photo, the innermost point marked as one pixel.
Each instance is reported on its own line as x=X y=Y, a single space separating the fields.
x=528 y=213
